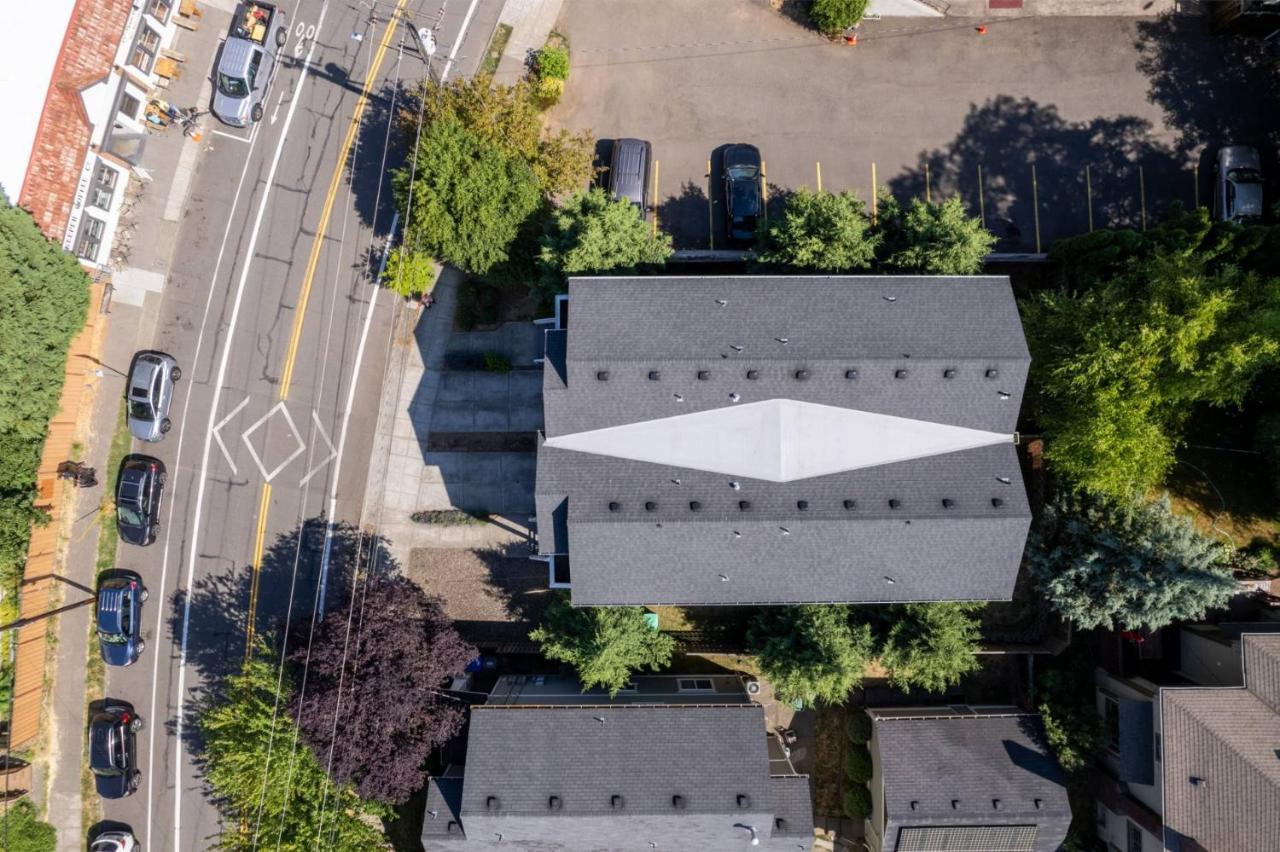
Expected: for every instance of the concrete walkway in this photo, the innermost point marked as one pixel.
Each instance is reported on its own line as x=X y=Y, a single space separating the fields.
x=531 y=21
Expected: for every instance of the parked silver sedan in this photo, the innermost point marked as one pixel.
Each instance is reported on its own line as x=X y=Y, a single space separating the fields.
x=150 y=393
x=1237 y=190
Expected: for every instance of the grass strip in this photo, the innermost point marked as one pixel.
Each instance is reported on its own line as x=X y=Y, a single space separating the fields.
x=493 y=56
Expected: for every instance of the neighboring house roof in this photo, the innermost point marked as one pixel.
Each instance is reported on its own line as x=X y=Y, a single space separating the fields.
x=64 y=131
x=791 y=438
x=968 y=781
x=624 y=777
x=1221 y=759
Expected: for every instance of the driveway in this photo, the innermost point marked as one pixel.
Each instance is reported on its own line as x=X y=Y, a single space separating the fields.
x=934 y=107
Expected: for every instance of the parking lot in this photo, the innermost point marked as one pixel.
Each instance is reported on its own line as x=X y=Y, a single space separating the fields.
x=1044 y=126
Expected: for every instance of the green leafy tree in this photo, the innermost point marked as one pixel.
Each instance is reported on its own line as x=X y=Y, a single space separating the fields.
x=469 y=198
x=592 y=234
x=930 y=645
x=44 y=297
x=270 y=787
x=22 y=831
x=812 y=652
x=1127 y=565
x=932 y=239
x=820 y=232
x=409 y=272
x=834 y=16
x=509 y=118
x=604 y=644
x=1147 y=327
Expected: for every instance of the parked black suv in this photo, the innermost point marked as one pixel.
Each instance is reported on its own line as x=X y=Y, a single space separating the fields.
x=743 y=199
x=120 y=619
x=138 y=499
x=113 y=754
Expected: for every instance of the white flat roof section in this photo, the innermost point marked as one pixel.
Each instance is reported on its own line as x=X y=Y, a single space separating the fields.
x=29 y=47
x=778 y=440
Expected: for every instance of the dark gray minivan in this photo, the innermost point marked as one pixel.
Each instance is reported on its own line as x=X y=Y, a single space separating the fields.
x=629 y=173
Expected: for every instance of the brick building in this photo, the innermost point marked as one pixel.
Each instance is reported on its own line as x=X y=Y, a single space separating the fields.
x=78 y=76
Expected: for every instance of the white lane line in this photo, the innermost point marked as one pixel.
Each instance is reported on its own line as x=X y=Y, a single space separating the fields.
x=248 y=141
x=346 y=415
x=217 y=435
x=333 y=451
x=208 y=440
x=457 y=42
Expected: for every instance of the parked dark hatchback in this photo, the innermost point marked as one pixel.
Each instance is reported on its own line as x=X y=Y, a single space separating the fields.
x=138 y=498
x=742 y=197
x=120 y=619
x=113 y=754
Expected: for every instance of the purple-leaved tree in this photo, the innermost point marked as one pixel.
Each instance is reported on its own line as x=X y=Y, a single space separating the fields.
x=401 y=651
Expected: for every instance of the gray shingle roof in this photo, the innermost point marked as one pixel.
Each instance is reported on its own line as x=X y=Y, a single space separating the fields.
x=951 y=770
x=969 y=551
x=630 y=327
x=441 y=821
x=1221 y=770
x=634 y=344
x=518 y=757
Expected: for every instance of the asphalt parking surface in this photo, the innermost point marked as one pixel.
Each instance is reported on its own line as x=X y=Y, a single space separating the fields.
x=1045 y=126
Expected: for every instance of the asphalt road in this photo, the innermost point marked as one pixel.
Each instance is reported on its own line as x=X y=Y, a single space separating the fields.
x=282 y=337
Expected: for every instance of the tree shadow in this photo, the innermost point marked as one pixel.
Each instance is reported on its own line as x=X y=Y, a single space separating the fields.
x=288 y=590
x=1214 y=89
x=685 y=217
x=380 y=149
x=1039 y=170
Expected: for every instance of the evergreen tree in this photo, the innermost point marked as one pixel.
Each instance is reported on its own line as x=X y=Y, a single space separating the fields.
x=932 y=239
x=469 y=197
x=930 y=645
x=810 y=652
x=604 y=644
x=820 y=232
x=592 y=234
x=44 y=298
x=1127 y=565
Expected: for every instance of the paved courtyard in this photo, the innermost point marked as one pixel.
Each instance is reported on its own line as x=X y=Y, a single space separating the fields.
x=933 y=106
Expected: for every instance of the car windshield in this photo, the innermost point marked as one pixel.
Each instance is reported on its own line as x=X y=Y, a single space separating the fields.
x=113 y=638
x=139 y=410
x=1244 y=175
x=232 y=87
x=129 y=516
x=736 y=172
x=106 y=771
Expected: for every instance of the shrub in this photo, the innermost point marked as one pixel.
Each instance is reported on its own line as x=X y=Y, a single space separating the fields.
x=857 y=802
x=495 y=362
x=24 y=832
x=820 y=232
x=857 y=764
x=449 y=517
x=409 y=273
x=858 y=726
x=552 y=63
x=832 y=17
x=548 y=91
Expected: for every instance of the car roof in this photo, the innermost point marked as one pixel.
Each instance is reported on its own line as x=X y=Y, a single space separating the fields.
x=626 y=178
x=236 y=53
x=741 y=154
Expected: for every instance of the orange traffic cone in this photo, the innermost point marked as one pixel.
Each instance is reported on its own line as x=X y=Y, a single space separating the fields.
x=851 y=40
x=982 y=29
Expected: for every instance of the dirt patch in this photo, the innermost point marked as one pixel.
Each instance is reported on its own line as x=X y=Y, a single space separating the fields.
x=494 y=596
x=830 y=743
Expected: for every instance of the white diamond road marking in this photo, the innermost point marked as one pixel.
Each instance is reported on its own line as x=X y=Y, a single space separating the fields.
x=779 y=440
x=333 y=451
x=217 y=436
x=279 y=406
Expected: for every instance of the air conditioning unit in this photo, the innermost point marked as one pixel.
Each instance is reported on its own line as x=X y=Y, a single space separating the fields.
x=753 y=687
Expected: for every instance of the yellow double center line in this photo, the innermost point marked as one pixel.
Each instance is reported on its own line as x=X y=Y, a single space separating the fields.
x=300 y=311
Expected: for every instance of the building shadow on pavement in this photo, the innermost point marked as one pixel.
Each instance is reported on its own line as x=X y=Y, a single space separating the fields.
x=1022 y=166
x=684 y=216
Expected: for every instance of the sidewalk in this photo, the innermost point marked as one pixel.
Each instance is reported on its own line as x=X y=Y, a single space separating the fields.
x=145 y=248
x=531 y=21
x=993 y=9
x=147 y=245
x=400 y=480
